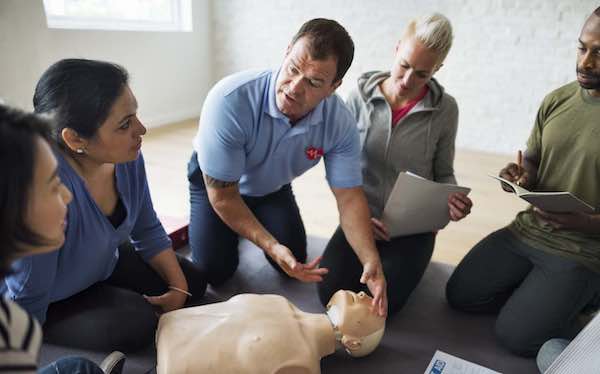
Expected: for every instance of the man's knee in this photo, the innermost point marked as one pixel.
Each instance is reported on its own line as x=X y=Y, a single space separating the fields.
x=218 y=272
x=214 y=264
x=456 y=293
x=515 y=338
x=464 y=294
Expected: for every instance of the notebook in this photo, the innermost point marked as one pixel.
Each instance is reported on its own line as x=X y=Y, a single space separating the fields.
x=556 y=202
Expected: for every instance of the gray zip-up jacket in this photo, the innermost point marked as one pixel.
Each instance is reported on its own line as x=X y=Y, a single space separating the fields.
x=422 y=142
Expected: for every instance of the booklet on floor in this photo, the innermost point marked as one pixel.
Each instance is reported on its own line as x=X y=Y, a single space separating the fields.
x=555 y=202
x=444 y=363
x=417 y=205
x=581 y=355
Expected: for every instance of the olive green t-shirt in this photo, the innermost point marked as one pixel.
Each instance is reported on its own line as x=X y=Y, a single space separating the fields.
x=566 y=140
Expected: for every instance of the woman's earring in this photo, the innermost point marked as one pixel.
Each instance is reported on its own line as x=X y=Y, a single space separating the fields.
x=80 y=151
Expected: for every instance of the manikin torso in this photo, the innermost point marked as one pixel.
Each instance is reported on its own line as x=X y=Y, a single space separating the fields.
x=246 y=334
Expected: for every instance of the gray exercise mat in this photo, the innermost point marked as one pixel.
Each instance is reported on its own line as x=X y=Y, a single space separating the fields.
x=425 y=324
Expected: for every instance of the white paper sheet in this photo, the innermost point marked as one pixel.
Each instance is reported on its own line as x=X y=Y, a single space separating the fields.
x=418 y=205
x=444 y=363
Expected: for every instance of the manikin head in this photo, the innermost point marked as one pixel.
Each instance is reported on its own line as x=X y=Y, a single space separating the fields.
x=360 y=329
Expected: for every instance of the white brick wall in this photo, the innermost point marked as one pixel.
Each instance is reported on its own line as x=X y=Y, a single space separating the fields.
x=507 y=54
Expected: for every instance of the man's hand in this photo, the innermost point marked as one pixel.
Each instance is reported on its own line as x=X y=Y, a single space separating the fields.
x=459 y=206
x=380 y=230
x=516 y=174
x=581 y=222
x=374 y=278
x=357 y=226
x=310 y=272
x=169 y=301
x=226 y=200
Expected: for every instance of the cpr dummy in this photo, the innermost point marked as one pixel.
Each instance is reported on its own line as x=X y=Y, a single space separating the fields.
x=264 y=334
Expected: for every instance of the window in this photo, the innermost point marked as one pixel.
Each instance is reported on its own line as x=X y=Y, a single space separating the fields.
x=134 y=15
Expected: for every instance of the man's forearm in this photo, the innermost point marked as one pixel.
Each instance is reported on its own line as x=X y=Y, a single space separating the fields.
x=231 y=208
x=236 y=214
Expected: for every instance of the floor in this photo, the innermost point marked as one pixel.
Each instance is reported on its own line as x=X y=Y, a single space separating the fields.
x=424 y=325
x=167 y=150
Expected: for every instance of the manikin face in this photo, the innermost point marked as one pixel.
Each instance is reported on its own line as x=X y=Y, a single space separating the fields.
x=414 y=65
x=588 y=56
x=119 y=139
x=303 y=82
x=351 y=314
x=47 y=202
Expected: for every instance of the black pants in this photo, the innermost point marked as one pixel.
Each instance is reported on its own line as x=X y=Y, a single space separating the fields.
x=113 y=315
x=537 y=294
x=215 y=246
x=404 y=261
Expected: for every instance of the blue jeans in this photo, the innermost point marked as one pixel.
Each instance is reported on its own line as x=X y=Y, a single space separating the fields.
x=214 y=245
x=549 y=352
x=71 y=365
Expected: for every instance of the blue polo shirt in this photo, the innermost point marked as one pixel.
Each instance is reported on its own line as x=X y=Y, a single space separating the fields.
x=243 y=136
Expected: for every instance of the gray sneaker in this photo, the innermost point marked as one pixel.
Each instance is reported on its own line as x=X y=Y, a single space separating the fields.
x=113 y=363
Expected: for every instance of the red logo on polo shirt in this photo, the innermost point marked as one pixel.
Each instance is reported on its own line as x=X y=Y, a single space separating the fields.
x=313 y=153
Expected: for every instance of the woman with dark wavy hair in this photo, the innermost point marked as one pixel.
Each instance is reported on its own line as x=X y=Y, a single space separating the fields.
x=117 y=267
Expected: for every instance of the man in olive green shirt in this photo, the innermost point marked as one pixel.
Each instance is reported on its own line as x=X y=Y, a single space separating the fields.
x=544 y=268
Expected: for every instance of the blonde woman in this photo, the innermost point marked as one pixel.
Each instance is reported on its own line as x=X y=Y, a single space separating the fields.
x=407 y=123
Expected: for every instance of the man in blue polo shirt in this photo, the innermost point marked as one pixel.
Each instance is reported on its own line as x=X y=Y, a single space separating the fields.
x=260 y=130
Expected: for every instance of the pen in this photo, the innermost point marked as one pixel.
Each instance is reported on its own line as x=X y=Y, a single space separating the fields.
x=519 y=164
